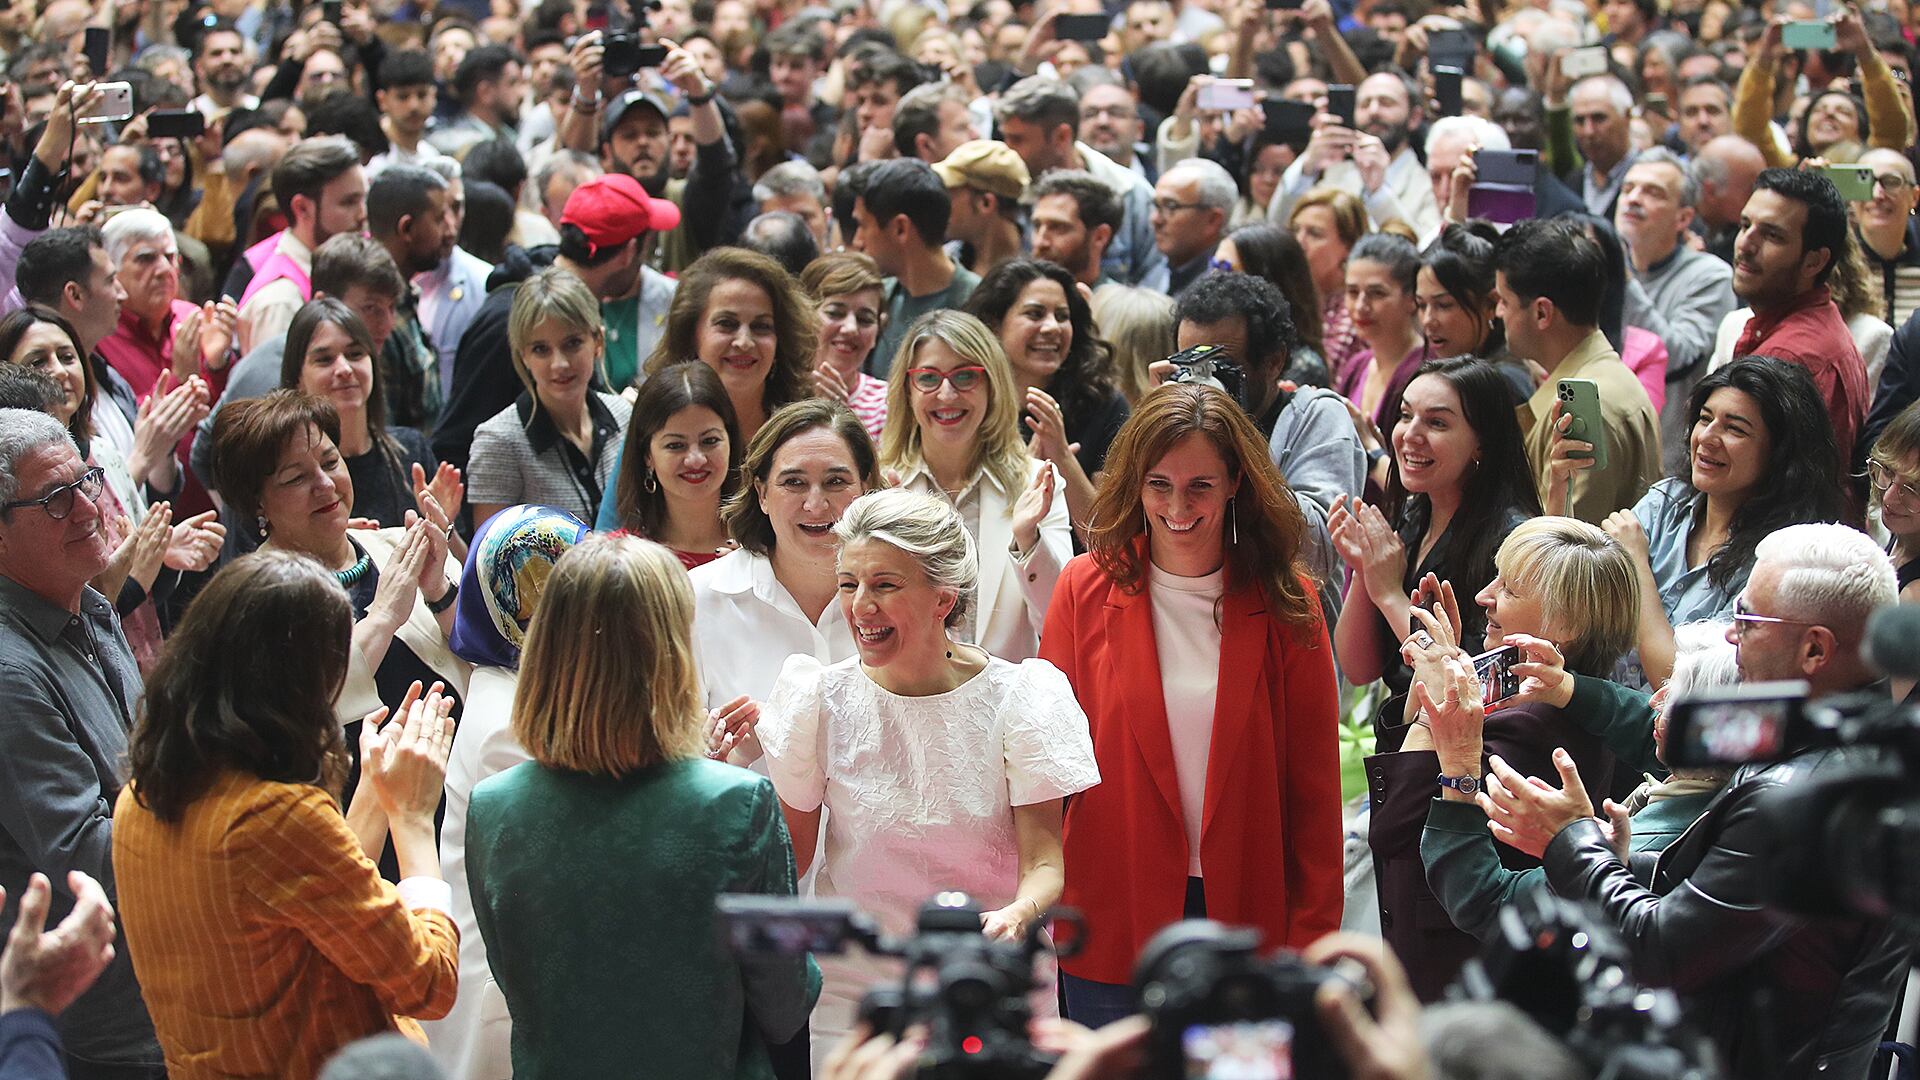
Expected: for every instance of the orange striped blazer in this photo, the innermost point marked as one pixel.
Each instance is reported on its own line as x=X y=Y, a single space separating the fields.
x=264 y=939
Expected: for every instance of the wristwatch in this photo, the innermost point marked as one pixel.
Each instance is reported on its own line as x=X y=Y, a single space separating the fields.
x=453 y=593
x=702 y=99
x=1465 y=785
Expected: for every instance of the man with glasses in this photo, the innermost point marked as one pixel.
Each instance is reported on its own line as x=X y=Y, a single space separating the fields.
x=1191 y=206
x=1889 y=232
x=68 y=687
x=1781 y=996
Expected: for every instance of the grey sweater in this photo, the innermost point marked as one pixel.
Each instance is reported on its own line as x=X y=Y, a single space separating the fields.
x=1682 y=301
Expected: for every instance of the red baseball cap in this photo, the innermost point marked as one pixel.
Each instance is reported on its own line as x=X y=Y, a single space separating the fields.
x=613 y=209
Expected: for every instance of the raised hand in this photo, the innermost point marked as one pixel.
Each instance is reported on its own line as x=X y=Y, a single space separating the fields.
x=731 y=727
x=1525 y=812
x=1543 y=674
x=1627 y=531
x=1049 y=426
x=399 y=587
x=147 y=545
x=448 y=488
x=195 y=543
x=830 y=384
x=1566 y=458
x=1031 y=508
x=407 y=765
x=1456 y=717
x=1437 y=596
x=48 y=969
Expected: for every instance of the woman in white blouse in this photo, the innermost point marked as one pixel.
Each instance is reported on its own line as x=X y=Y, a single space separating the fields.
x=964 y=445
x=772 y=597
x=942 y=767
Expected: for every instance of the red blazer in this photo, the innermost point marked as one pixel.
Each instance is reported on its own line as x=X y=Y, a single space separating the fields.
x=1271 y=843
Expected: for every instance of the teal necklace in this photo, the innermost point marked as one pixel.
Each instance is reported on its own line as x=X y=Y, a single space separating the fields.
x=351 y=576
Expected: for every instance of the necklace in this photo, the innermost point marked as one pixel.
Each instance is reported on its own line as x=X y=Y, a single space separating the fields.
x=351 y=576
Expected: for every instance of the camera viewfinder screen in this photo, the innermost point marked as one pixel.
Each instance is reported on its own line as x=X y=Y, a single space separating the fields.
x=1250 y=1050
x=1739 y=730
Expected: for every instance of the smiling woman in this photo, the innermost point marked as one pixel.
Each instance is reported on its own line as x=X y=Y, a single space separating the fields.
x=559 y=443
x=942 y=767
x=1191 y=632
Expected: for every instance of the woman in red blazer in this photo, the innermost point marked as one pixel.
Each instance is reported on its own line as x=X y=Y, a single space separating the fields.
x=1194 y=641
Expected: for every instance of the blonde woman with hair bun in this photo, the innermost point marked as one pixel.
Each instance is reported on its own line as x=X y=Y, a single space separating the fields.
x=963 y=444
x=941 y=767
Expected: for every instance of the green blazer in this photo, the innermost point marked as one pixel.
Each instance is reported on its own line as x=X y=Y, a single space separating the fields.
x=596 y=901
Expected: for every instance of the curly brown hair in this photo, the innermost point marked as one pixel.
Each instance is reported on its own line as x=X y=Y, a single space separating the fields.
x=795 y=324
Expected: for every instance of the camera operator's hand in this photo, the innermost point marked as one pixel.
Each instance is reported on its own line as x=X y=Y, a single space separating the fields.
x=1382 y=1047
x=1543 y=675
x=859 y=1057
x=1117 y=1050
x=1525 y=812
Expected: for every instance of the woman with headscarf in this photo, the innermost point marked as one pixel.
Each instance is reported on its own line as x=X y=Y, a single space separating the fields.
x=507 y=567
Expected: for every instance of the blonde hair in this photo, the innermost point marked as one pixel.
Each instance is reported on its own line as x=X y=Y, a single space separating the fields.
x=552 y=294
x=1586 y=586
x=998 y=448
x=1139 y=325
x=607 y=683
x=925 y=527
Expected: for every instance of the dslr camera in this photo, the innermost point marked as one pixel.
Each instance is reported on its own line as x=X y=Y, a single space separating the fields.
x=625 y=54
x=1218 y=1009
x=1563 y=964
x=969 y=991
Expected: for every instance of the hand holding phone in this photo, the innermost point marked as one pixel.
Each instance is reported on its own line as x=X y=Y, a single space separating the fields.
x=1809 y=34
x=1580 y=399
x=1225 y=95
x=1340 y=103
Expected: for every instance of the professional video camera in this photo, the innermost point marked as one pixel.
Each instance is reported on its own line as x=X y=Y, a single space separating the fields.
x=1219 y=1010
x=970 y=991
x=1563 y=965
x=1848 y=837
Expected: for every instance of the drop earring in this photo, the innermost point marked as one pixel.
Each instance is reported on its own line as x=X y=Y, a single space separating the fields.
x=651 y=483
x=261 y=522
x=1233 y=524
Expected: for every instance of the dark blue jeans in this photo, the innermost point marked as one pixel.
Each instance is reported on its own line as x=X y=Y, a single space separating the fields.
x=1097 y=1004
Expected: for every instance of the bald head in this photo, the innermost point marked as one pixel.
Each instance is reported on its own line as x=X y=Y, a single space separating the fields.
x=253 y=151
x=1725 y=169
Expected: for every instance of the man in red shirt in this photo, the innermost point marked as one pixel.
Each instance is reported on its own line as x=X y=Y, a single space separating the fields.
x=1792 y=232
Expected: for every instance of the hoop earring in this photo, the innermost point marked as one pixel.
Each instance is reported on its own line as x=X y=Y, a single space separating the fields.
x=651 y=484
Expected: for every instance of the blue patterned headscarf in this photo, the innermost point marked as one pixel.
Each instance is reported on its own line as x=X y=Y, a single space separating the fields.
x=507 y=565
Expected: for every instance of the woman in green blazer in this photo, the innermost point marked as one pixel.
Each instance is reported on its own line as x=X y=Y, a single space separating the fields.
x=595 y=866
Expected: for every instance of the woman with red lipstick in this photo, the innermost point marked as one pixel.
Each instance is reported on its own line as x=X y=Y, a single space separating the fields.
x=1457 y=483
x=1193 y=639
x=559 y=444
x=740 y=313
x=684 y=439
x=847 y=290
x=277 y=461
x=964 y=446
x=1382 y=274
x=1761 y=456
x=942 y=767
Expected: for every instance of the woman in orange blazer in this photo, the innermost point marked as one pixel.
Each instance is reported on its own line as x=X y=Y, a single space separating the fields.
x=1195 y=643
x=263 y=935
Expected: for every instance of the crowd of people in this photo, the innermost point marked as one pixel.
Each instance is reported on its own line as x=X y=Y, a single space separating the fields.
x=478 y=482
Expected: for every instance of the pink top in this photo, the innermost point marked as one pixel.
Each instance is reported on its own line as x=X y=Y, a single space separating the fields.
x=869 y=402
x=1646 y=356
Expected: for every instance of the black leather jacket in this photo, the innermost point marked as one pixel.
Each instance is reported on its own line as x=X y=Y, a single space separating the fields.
x=1781 y=996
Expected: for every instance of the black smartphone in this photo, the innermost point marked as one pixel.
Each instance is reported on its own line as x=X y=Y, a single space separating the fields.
x=1450 y=48
x=1285 y=5
x=651 y=56
x=176 y=124
x=1291 y=122
x=1446 y=90
x=1494 y=669
x=1081 y=27
x=1340 y=99
x=330 y=12
x=1519 y=168
x=99 y=41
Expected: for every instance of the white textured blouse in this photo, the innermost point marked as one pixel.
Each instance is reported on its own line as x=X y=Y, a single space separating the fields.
x=920 y=791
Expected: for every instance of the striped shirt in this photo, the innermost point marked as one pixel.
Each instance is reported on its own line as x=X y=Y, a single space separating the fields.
x=265 y=939
x=868 y=402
